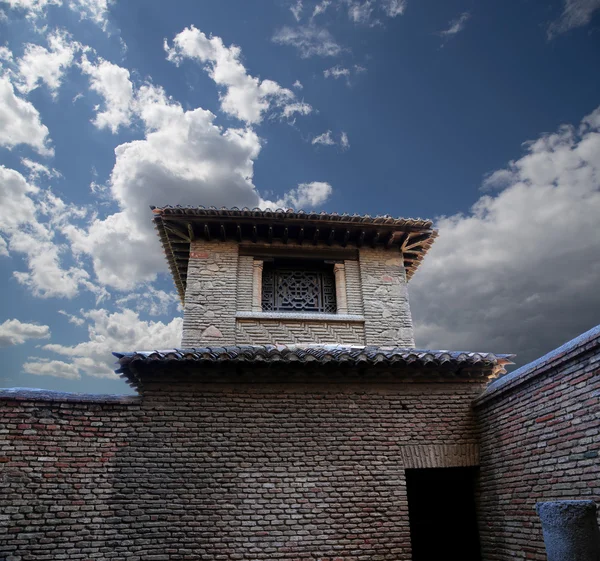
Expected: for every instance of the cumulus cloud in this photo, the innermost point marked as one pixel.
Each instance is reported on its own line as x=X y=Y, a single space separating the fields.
x=520 y=271
x=94 y=10
x=576 y=13
x=39 y=64
x=14 y=332
x=20 y=121
x=307 y=196
x=113 y=84
x=20 y=220
x=245 y=97
x=184 y=159
x=108 y=332
x=55 y=368
x=309 y=40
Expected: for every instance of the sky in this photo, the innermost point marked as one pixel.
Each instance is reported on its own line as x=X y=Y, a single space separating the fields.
x=483 y=116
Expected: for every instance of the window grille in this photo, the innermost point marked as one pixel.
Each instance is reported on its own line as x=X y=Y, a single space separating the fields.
x=296 y=289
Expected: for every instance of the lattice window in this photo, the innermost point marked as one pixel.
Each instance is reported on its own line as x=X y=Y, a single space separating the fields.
x=297 y=289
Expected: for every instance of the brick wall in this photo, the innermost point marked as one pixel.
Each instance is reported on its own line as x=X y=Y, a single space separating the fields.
x=540 y=440
x=227 y=470
x=57 y=473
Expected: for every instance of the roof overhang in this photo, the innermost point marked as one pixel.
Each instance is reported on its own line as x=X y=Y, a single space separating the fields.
x=355 y=362
x=179 y=226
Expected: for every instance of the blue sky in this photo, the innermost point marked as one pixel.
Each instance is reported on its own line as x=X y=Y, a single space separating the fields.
x=482 y=116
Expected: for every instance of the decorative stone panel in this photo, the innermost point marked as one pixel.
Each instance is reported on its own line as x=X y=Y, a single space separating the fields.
x=388 y=320
x=288 y=332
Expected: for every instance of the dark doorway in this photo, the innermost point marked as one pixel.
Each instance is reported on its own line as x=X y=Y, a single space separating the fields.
x=441 y=507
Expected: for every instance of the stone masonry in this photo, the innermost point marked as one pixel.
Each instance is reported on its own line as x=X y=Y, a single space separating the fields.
x=220 y=285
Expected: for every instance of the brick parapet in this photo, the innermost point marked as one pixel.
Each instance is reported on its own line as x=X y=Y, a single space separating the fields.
x=540 y=441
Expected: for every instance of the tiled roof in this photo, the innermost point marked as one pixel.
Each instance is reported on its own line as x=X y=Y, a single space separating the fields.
x=335 y=355
x=290 y=215
x=179 y=226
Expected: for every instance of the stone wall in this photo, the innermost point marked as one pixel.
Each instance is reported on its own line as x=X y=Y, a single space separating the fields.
x=211 y=294
x=219 y=286
x=540 y=441
x=225 y=470
x=385 y=299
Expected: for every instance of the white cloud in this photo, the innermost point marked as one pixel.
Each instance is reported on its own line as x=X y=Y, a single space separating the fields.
x=118 y=331
x=55 y=368
x=95 y=10
x=37 y=170
x=19 y=220
x=456 y=25
x=336 y=72
x=46 y=276
x=20 y=121
x=394 y=8
x=245 y=97
x=39 y=64
x=16 y=206
x=75 y=320
x=520 y=272
x=307 y=196
x=326 y=139
x=576 y=13
x=360 y=12
x=298 y=85
x=310 y=40
x=13 y=332
x=321 y=8
x=113 y=84
x=344 y=141
x=296 y=10
x=184 y=159
x=149 y=299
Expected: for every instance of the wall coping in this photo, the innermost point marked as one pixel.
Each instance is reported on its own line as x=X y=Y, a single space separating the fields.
x=309 y=316
x=571 y=350
x=36 y=394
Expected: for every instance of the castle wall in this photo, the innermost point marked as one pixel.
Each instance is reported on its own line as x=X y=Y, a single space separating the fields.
x=540 y=441
x=219 y=303
x=226 y=470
